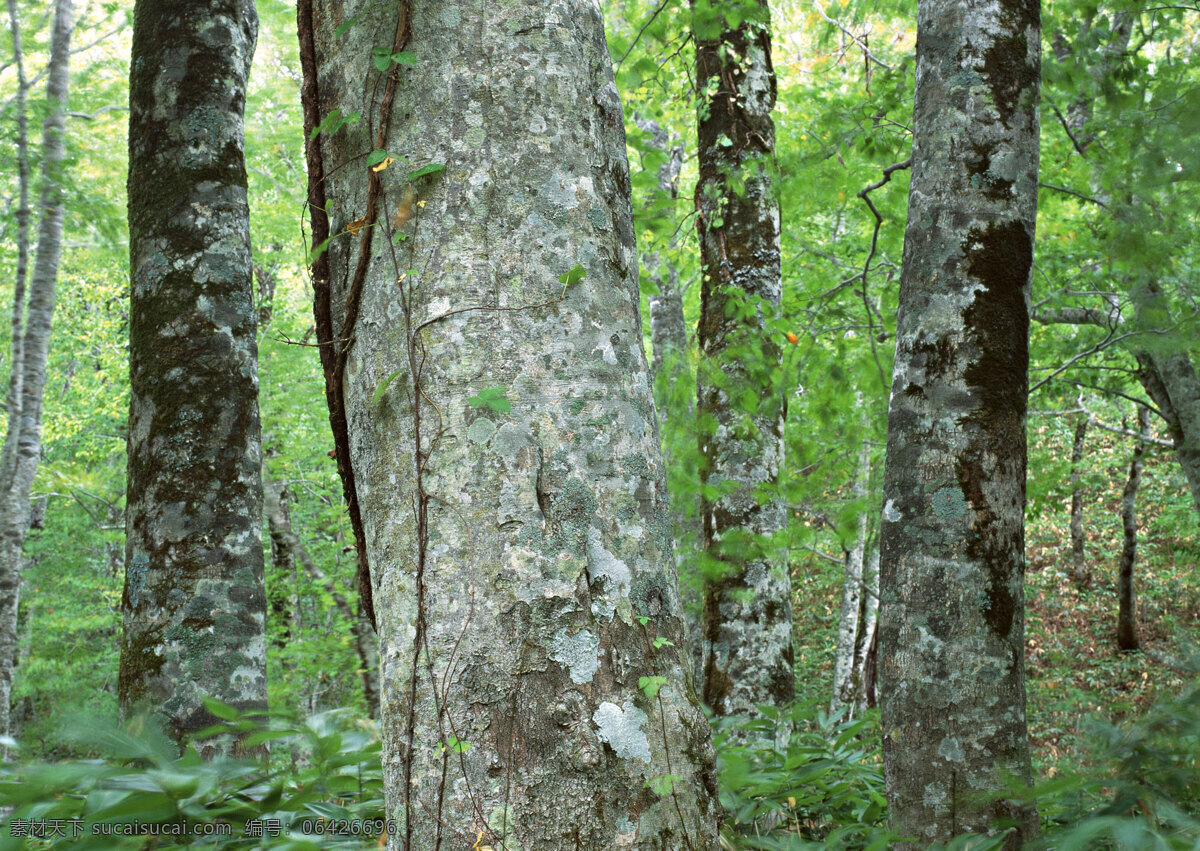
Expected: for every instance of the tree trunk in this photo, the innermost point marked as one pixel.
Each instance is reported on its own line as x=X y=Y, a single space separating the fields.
x=849 y=638
x=952 y=674
x=668 y=366
x=501 y=431
x=747 y=598
x=194 y=603
x=1079 y=571
x=1127 y=635
x=866 y=660
x=23 y=441
x=286 y=551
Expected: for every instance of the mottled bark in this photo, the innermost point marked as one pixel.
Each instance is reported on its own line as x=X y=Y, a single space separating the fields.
x=952 y=675
x=849 y=637
x=1127 y=633
x=747 y=606
x=31 y=339
x=1079 y=571
x=502 y=432
x=287 y=552
x=194 y=604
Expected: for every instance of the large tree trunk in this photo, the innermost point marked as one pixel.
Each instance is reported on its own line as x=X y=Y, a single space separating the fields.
x=194 y=603
x=31 y=344
x=1079 y=571
x=952 y=674
x=1127 y=634
x=501 y=429
x=747 y=601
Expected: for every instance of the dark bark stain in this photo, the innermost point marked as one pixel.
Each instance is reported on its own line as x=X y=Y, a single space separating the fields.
x=1000 y=258
x=1006 y=65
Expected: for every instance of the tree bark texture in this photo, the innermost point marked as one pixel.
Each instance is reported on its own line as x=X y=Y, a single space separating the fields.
x=747 y=621
x=501 y=430
x=31 y=343
x=1079 y=571
x=952 y=675
x=1127 y=633
x=194 y=604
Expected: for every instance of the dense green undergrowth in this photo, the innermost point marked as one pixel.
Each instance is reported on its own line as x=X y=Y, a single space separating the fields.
x=321 y=786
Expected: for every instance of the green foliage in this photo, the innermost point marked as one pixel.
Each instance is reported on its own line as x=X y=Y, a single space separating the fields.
x=492 y=398
x=321 y=787
x=825 y=784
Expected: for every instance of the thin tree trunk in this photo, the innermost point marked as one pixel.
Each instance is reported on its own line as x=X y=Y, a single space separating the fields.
x=951 y=643
x=194 y=603
x=501 y=433
x=866 y=659
x=849 y=638
x=747 y=602
x=22 y=443
x=286 y=552
x=668 y=365
x=1079 y=571
x=1127 y=634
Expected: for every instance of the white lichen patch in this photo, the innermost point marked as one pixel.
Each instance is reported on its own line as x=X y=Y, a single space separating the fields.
x=623 y=730
x=578 y=653
x=608 y=571
x=890 y=512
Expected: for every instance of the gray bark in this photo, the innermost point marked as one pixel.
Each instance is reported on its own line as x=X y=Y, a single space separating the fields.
x=747 y=606
x=287 y=551
x=952 y=676
x=1127 y=633
x=194 y=605
x=31 y=343
x=501 y=431
x=1079 y=571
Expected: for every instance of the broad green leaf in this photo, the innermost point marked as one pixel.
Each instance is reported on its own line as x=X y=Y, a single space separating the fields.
x=431 y=168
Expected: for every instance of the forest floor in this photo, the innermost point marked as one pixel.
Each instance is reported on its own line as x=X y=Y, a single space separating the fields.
x=1073 y=666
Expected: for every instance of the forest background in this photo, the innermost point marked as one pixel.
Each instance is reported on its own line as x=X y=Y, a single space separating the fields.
x=1120 y=129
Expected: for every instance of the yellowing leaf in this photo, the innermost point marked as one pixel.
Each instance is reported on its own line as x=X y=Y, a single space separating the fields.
x=386 y=162
x=355 y=226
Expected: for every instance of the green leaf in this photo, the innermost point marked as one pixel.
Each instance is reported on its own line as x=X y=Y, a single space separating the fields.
x=577 y=273
x=383 y=386
x=399 y=237
x=661 y=642
x=663 y=784
x=651 y=685
x=222 y=710
x=404 y=58
x=492 y=398
x=382 y=61
x=345 y=26
x=431 y=168
x=457 y=745
x=376 y=157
